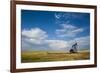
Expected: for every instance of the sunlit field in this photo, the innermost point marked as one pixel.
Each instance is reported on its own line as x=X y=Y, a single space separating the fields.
x=45 y=56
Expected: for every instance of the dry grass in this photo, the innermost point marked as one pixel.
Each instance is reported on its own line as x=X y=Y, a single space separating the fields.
x=43 y=56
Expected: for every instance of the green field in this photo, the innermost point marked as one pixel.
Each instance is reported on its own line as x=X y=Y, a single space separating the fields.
x=45 y=56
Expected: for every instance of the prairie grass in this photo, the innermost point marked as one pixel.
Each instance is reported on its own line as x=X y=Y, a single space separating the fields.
x=45 y=56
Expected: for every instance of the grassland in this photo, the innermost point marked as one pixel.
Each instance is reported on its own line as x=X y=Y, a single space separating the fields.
x=45 y=56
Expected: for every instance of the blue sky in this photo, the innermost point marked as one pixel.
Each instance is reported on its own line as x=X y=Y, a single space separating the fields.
x=50 y=29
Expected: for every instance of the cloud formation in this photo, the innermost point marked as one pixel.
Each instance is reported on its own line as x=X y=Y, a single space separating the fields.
x=34 y=35
x=37 y=39
x=68 y=30
x=57 y=44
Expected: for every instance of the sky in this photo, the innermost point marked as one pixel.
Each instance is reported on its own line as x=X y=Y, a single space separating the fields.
x=53 y=30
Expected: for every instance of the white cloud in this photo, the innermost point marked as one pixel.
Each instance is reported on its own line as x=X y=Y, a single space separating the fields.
x=68 y=30
x=33 y=41
x=68 y=16
x=68 y=26
x=57 y=44
x=58 y=16
x=34 y=35
x=77 y=30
